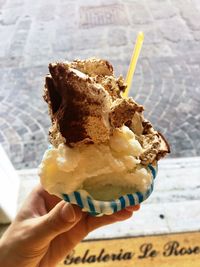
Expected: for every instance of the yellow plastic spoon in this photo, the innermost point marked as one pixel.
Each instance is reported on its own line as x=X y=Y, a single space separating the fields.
x=133 y=62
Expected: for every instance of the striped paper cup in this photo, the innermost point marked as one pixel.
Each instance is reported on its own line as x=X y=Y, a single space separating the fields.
x=99 y=208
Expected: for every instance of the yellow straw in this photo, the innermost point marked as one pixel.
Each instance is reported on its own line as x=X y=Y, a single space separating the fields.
x=133 y=62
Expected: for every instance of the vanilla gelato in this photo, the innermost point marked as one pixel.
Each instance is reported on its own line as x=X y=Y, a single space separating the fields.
x=105 y=171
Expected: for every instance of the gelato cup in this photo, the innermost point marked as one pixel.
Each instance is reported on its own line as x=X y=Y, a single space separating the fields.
x=99 y=208
x=104 y=152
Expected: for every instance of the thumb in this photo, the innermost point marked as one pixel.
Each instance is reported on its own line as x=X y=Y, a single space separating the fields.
x=60 y=219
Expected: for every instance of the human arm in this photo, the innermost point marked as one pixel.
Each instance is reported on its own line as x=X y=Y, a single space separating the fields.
x=46 y=229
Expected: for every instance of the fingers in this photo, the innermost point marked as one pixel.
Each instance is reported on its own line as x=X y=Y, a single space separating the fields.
x=33 y=206
x=96 y=222
x=133 y=208
x=86 y=224
x=60 y=219
x=50 y=200
x=37 y=203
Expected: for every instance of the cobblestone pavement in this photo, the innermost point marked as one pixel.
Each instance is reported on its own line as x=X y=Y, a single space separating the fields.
x=167 y=80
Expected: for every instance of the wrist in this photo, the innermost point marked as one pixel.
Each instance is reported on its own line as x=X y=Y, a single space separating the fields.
x=3 y=256
x=7 y=254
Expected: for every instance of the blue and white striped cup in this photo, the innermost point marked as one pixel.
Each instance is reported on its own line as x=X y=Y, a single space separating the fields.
x=98 y=208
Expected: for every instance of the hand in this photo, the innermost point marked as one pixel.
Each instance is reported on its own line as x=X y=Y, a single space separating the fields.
x=46 y=229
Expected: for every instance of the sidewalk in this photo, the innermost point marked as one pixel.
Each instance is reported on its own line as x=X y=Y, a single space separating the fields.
x=166 y=81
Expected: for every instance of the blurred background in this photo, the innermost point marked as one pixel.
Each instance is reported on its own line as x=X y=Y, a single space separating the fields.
x=167 y=80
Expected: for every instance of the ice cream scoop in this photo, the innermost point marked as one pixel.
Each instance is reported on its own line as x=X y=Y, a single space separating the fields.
x=102 y=147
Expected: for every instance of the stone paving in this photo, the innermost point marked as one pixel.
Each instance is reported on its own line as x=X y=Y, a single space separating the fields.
x=167 y=79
